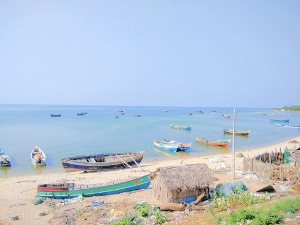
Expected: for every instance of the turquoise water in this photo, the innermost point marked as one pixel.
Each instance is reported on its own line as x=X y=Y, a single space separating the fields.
x=24 y=126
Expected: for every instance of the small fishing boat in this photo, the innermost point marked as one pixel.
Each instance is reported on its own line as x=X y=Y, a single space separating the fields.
x=198 y=112
x=287 y=126
x=279 y=120
x=116 y=116
x=237 y=132
x=4 y=159
x=137 y=115
x=81 y=114
x=38 y=157
x=55 y=115
x=221 y=143
x=98 y=162
x=181 y=127
x=171 y=145
x=226 y=116
x=71 y=190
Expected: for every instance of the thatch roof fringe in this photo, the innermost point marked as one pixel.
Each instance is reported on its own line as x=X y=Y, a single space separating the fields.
x=184 y=178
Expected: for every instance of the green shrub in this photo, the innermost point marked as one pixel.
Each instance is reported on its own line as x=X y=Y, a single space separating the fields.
x=270 y=217
x=242 y=215
x=159 y=217
x=126 y=220
x=143 y=209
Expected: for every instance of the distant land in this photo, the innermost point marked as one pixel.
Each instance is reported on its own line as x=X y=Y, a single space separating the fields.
x=288 y=108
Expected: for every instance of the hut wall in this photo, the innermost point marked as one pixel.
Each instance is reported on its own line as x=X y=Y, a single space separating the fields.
x=267 y=171
x=164 y=195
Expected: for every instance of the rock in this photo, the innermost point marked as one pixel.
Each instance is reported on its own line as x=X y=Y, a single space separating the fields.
x=42 y=214
x=14 y=218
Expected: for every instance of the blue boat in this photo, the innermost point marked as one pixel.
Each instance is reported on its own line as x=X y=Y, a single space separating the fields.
x=98 y=162
x=181 y=127
x=171 y=145
x=278 y=120
x=4 y=159
x=287 y=126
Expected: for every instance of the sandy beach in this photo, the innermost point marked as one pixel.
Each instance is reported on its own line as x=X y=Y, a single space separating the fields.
x=18 y=192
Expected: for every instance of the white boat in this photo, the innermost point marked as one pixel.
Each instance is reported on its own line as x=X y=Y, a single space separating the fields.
x=38 y=157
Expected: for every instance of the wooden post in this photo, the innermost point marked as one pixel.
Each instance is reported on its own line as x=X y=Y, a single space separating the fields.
x=233 y=147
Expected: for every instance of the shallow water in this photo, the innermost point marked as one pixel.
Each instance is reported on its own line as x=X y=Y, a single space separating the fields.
x=25 y=126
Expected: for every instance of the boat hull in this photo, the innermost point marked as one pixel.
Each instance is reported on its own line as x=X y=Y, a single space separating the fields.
x=230 y=132
x=171 y=146
x=99 y=190
x=55 y=115
x=276 y=120
x=220 y=143
x=180 y=127
x=81 y=163
x=38 y=157
x=4 y=159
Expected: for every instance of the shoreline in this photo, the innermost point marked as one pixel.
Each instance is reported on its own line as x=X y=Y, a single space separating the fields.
x=168 y=156
x=19 y=191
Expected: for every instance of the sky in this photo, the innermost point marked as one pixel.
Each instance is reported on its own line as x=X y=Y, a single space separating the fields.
x=206 y=53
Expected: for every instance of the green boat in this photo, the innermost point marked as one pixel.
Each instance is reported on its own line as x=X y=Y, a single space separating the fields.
x=71 y=190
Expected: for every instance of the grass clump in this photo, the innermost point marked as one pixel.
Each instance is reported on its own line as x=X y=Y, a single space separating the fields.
x=159 y=217
x=143 y=208
x=125 y=220
x=273 y=215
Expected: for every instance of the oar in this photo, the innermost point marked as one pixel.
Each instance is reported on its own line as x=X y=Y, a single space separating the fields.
x=123 y=161
x=136 y=163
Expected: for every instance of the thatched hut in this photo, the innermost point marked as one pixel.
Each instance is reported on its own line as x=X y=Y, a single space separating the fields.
x=175 y=183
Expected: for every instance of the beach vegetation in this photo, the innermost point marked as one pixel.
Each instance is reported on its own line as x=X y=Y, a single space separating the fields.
x=288 y=108
x=159 y=216
x=268 y=213
x=126 y=220
x=143 y=208
x=238 y=197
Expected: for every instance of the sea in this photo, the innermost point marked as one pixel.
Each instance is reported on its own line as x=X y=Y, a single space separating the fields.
x=22 y=127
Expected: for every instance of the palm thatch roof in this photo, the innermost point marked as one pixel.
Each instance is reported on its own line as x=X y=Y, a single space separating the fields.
x=184 y=178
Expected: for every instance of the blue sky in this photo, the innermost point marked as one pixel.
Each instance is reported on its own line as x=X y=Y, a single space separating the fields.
x=150 y=53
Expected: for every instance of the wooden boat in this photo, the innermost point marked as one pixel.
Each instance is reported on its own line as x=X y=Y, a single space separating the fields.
x=38 y=157
x=198 y=112
x=278 y=120
x=180 y=127
x=221 y=143
x=81 y=114
x=71 y=190
x=237 y=132
x=98 y=162
x=171 y=145
x=226 y=116
x=55 y=115
x=4 y=159
x=287 y=126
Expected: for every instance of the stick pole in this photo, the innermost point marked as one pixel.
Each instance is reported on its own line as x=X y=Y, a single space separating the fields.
x=233 y=143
